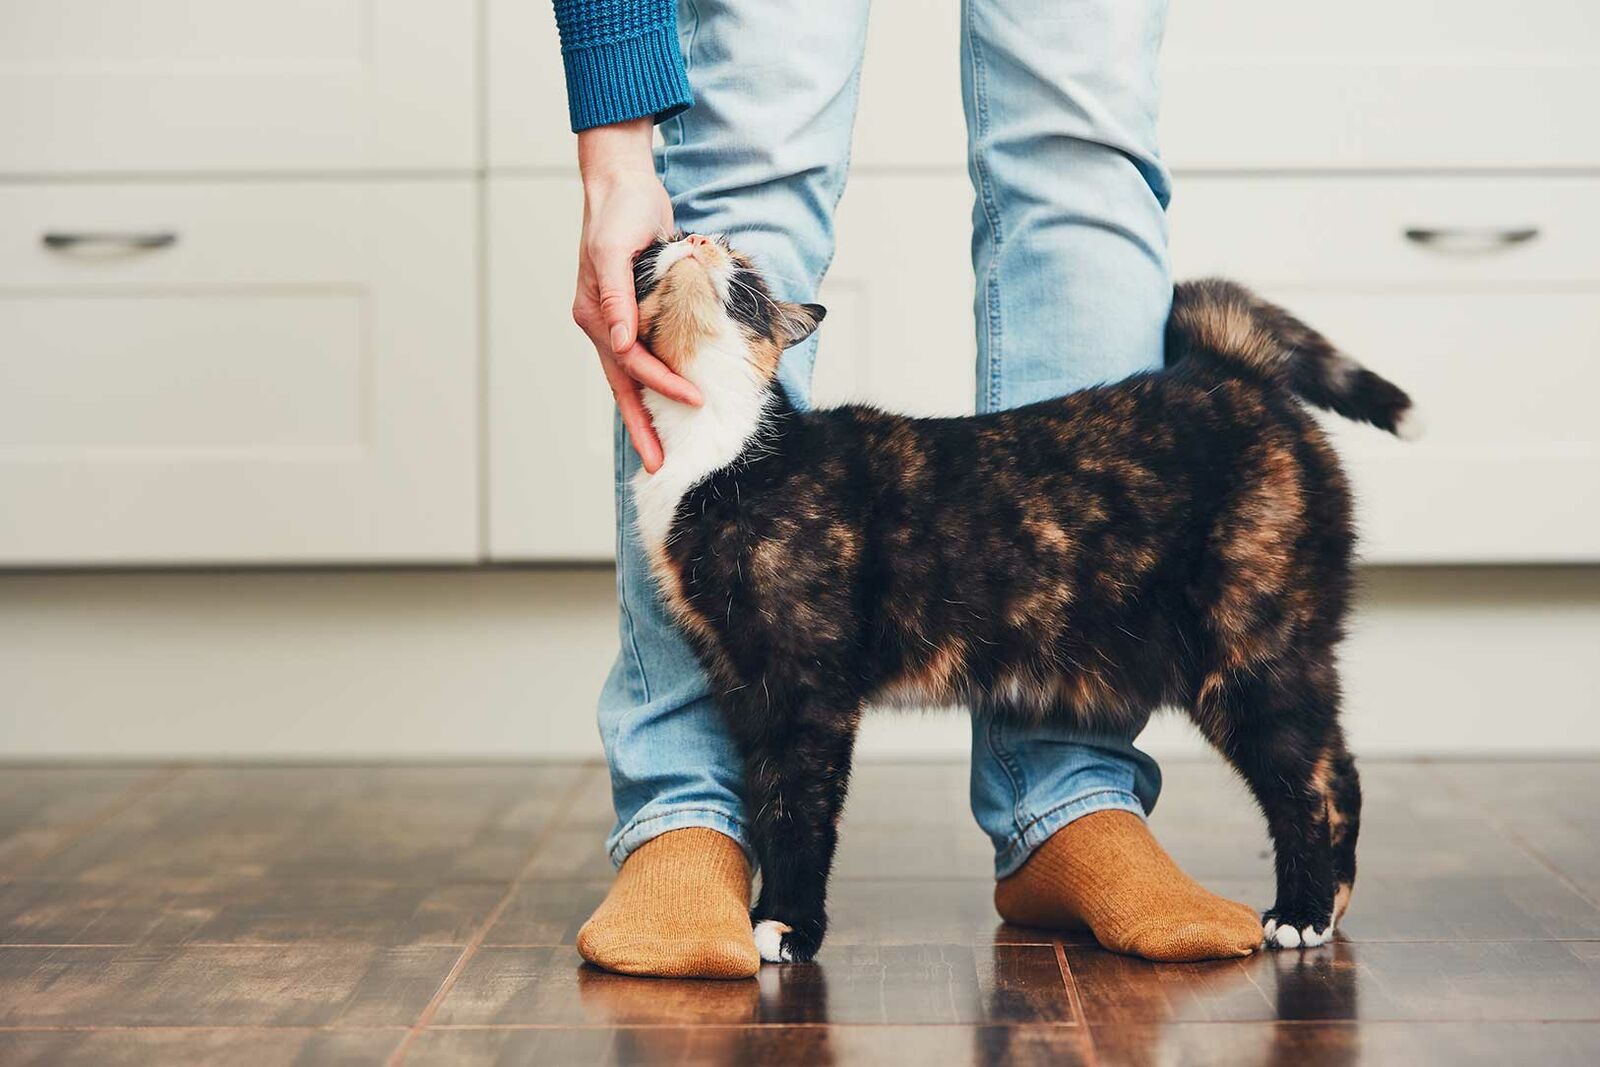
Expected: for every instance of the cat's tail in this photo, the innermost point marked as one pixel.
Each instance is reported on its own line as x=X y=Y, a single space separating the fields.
x=1225 y=325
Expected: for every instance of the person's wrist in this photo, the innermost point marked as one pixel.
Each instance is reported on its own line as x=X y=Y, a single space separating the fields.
x=618 y=151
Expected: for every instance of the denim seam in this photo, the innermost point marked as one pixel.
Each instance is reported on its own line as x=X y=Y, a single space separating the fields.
x=804 y=403
x=624 y=525
x=1013 y=768
x=838 y=194
x=1020 y=839
x=619 y=853
x=991 y=210
x=688 y=66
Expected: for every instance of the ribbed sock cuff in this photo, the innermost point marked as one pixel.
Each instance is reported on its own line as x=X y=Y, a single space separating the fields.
x=1009 y=859
x=627 y=79
x=653 y=822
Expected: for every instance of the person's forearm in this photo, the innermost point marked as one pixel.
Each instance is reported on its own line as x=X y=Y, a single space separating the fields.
x=621 y=148
x=622 y=61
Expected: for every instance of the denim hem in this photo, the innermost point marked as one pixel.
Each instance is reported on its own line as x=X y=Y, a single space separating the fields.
x=652 y=826
x=1016 y=851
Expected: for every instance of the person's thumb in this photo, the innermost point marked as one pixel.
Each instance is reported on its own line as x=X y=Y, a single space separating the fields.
x=618 y=310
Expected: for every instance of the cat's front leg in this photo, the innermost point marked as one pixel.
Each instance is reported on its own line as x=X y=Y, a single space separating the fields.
x=797 y=772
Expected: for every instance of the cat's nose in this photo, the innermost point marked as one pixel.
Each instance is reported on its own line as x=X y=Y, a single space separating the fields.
x=696 y=241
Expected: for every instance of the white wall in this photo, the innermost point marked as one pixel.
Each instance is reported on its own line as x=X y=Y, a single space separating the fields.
x=506 y=663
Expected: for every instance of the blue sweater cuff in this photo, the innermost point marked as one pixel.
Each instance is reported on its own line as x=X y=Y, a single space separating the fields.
x=628 y=79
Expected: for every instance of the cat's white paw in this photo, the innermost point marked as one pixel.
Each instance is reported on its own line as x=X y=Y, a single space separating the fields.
x=1284 y=936
x=769 y=941
x=1311 y=937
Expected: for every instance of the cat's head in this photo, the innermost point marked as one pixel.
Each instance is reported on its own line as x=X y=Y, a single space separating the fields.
x=698 y=295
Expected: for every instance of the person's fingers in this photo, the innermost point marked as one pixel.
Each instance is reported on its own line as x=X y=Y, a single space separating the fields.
x=646 y=369
x=636 y=420
x=618 y=310
x=635 y=417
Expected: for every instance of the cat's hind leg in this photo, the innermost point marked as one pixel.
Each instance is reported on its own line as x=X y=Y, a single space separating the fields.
x=1278 y=727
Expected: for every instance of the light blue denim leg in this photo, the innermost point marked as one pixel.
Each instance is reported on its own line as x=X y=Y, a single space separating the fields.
x=1069 y=250
x=762 y=157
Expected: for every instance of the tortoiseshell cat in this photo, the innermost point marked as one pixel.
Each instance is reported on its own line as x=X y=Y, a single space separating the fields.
x=1180 y=538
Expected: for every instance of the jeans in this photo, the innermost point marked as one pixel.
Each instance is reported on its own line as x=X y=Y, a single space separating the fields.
x=1073 y=286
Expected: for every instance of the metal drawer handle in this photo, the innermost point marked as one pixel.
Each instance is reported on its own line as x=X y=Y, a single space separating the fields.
x=1470 y=238
x=133 y=242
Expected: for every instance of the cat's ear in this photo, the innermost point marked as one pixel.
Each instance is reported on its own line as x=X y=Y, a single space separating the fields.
x=793 y=323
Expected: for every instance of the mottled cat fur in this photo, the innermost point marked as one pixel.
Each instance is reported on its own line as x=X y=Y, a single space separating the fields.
x=1182 y=538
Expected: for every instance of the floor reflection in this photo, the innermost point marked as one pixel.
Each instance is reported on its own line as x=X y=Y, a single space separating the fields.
x=1213 y=1013
x=1319 y=983
x=1013 y=1000
x=622 y=1000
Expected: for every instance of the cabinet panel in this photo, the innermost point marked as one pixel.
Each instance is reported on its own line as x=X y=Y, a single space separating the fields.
x=1381 y=84
x=238 y=373
x=1498 y=342
x=526 y=88
x=104 y=86
x=550 y=413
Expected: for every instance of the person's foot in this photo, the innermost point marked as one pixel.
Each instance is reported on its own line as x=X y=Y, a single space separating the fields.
x=1107 y=873
x=680 y=908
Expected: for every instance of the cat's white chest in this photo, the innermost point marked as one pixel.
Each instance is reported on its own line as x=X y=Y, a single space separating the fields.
x=697 y=441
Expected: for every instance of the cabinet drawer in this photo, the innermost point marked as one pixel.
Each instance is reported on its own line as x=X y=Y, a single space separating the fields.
x=237 y=373
x=105 y=86
x=1499 y=344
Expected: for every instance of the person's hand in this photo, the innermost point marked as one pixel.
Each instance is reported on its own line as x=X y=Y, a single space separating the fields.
x=624 y=209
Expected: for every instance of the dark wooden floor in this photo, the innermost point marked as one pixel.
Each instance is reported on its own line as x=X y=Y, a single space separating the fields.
x=372 y=914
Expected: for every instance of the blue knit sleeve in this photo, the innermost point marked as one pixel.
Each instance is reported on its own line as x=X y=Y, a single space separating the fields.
x=622 y=60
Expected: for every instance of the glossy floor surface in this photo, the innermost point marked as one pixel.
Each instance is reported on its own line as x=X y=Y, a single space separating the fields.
x=352 y=915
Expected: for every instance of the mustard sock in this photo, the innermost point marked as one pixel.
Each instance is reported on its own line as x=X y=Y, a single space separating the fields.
x=680 y=908
x=1106 y=872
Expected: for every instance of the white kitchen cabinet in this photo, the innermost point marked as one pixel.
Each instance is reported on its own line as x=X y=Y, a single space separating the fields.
x=264 y=86
x=212 y=373
x=298 y=377
x=1480 y=297
x=1424 y=84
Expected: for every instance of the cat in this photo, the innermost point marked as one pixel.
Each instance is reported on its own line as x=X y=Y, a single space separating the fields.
x=1182 y=538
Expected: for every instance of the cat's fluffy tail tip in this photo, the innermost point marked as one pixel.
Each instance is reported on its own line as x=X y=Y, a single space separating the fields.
x=1410 y=426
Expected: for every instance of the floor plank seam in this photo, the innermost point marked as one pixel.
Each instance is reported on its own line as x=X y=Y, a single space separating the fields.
x=1080 y=1018
x=1511 y=834
x=425 y=1018
x=138 y=791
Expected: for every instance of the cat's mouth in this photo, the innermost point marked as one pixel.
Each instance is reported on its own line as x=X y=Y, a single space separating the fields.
x=696 y=253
